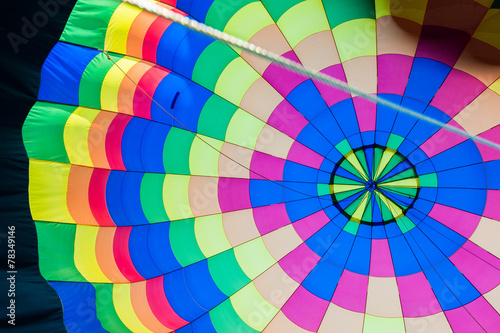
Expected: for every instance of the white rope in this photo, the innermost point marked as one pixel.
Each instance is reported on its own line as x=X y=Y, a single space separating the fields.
x=276 y=58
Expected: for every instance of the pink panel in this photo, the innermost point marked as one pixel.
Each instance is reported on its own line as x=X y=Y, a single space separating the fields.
x=282 y=79
x=351 y=291
x=458 y=220
x=457 y=91
x=305 y=309
x=492 y=208
x=160 y=306
x=441 y=44
x=482 y=254
x=442 y=140
x=146 y=89
x=393 y=73
x=485 y=314
x=305 y=156
x=299 y=263
x=381 y=260
x=332 y=95
x=234 y=194
x=152 y=38
x=266 y=167
x=490 y=153
x=462 y=322
x=479 y=272
x=287 y=119
x=114 y=141
x=308 y=226
x=122 y=255
x=417 y=298
x=366 y=112
x=270 y=218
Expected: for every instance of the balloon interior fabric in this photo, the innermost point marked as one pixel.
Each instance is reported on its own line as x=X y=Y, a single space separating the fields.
x=185 y=185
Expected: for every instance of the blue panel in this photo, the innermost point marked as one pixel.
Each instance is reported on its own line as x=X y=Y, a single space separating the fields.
x=79 y=306
x=369 y=159
x=346 y=117
x=114 y=201
x=386 y=115
x=447 y=240
x=381 y=137
x=415 y=216
x=196 y=8
x=425 y=203
x=325 y=201
x=426 y=78
x=404 y=122
x=131 y=198
x=365 y=231
x=327 y=125
x=296 y=191
x=299 y=209
x=427 y=254
x=131 y=143
x=188 y=106
x=376 y=213
x=160 y=250
x=311 y=138
x=470 y=200
x=423 y=168
x=368 y=138
x=378 y=232
x=265 y=192
x=138 y=249
x=444 y=295
x=321 y=241
x=327 y=164
x=456 y=282
x=179 y=297
x=405 y=165
x=472 y=176
x=202 y=325
x=346 y=174
x=298 y=172
x=407 y=148
x=202 y=287
x=332 y=212
x=323 y=280
x=404 y=261
x=493 y=174
x=169 y=43
x=338 y=253
x=355 y=140
x=338 y=219
x=359 y=259
x=62 y=71
x=392 y=230
x=423 y=129
x=152 y=146
x=188 y=51
x=463 y=154
x=307 y=99
x=349 y=200
x=323 y=177
x=165 y=93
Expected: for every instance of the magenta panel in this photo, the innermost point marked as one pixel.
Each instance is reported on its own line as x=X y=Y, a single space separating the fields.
x=234 y=194
x=332 y=95
x=308 y=317
x=351 y=291
x=393 y=73
x=265 y=166
x=287 y=119
x=417 y=298
x=270 y=218
x=282 y=79
x=299 y=263
x=381 y=264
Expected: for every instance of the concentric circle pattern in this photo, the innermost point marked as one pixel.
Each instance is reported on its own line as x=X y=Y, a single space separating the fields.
x=188 y=186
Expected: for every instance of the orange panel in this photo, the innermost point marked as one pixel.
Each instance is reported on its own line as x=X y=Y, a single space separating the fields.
x=142 y=309
x=77 y=197
x=137 y=33
x=104 y=254
x=128 y=87
x=97 y=139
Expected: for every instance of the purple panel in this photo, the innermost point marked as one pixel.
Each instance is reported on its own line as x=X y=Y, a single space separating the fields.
x=462 y=222
x=308 y=317
x=287 y=119
x=330 y=94
x=265 y=166
x=492 y=208
x=299 y=263
x=485 y=314
x=393 y=73
x=308 y=226
x=234 y=194
x=461 y=321
x=442 y=44
x=351 y=291
x=366 y=112
x=489 y=153
x=417 y=298
x=270 y=218
x=305 y=156
x=282 y=79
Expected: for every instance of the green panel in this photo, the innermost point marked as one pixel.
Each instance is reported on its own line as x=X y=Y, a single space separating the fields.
x=429 y=180
x=183 y=242
x=176 y=151
x=225 y=319
x=339 y=12
x=215 y=117
x=226 y=272
x=349 y=167
x=105 y=309
x=277 y=8
x=394 y=141
x=43 y=131
x=354 y=205
x=405 y=224
x=152 y=197
x=386 y=213
x=343 y=147
x=360 y=154
x=56 y=258
x=345 y=181
x=344 y=195
x=395 y=160
x=410 y=173
x=92 y=79
x=367 y=216
x=405 y=191
x=88 y=22
x=356 y=38
x=323 y=189
x=221 y=11
x=377 y=156
x=211 y=63
x=351 y=227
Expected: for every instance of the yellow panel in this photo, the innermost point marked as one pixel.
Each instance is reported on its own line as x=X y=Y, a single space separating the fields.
x=356 y=38
x=495 y=86
x=486 y=3
x=379 y=324
x=382 y=8
x=210 y=235
x=353 y=159
x=384 y=160
x=244 y=129
x=176 y=197
x=489 y=30
x=48 y=189
x=358 y=213
x=343 y=188
x=76 y=135
x=204 y=156
x=393 y=208
x=413 y=10
x=303 y=20
x=250 y=306
x=248 y=21
x=253 y=257
x=112 y=81
x=119 y=27
x=235 y=80
x=411 y=183
x=85 y=256
x=125 y=310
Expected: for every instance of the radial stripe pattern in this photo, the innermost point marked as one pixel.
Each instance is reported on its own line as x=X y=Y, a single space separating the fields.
x=185 y=185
